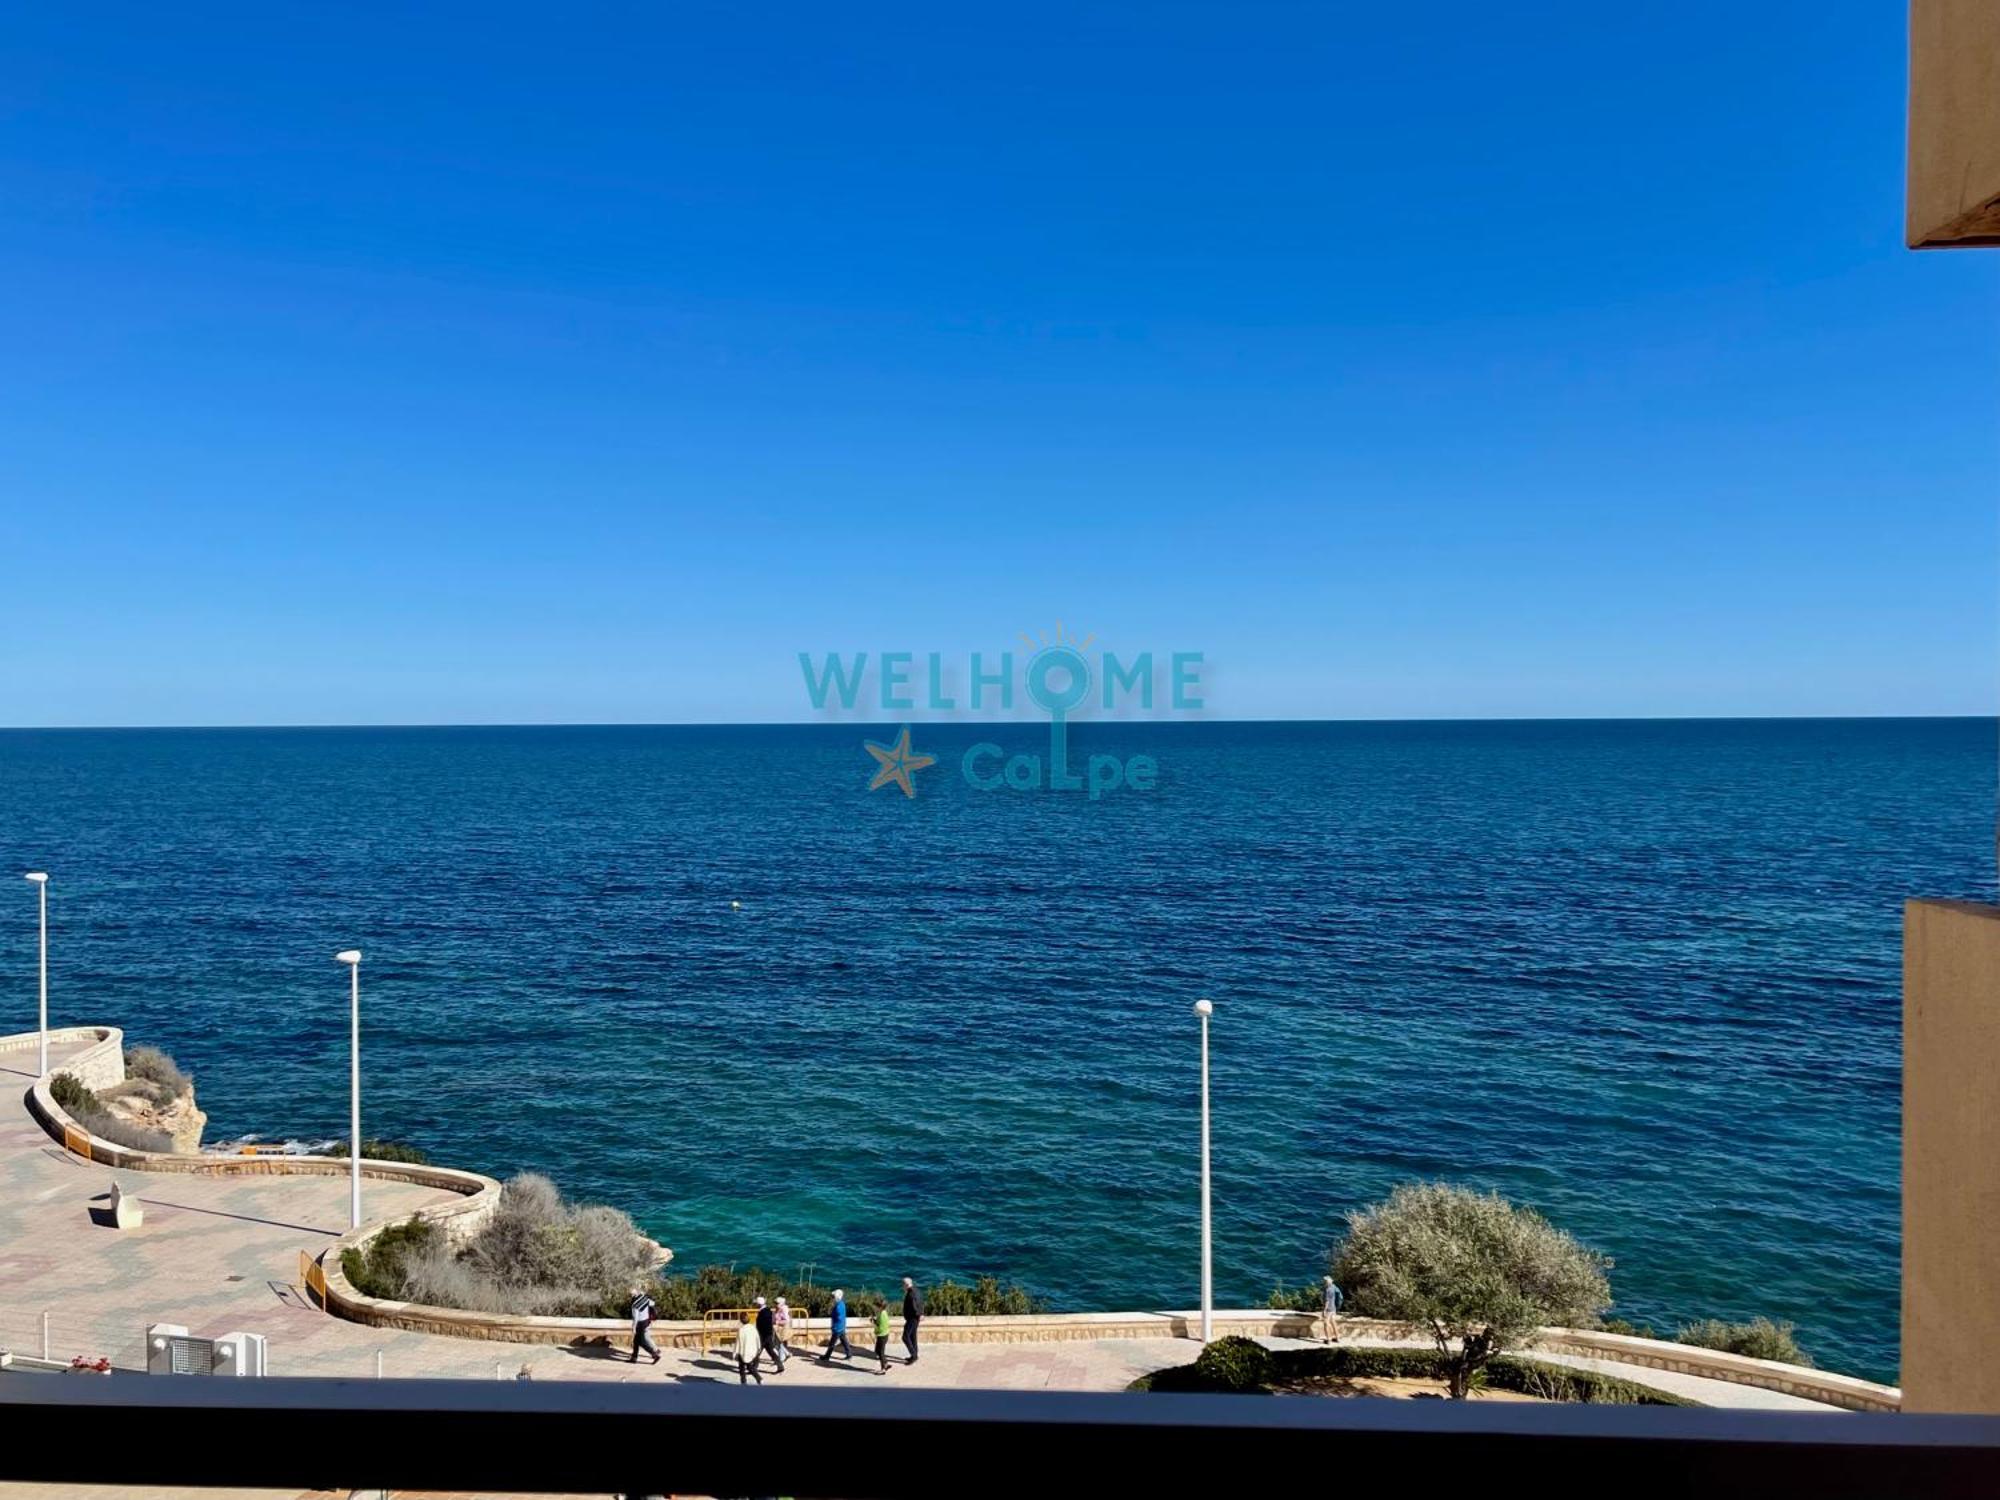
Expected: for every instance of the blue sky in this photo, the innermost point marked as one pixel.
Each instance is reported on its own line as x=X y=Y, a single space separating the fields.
x=487 y=363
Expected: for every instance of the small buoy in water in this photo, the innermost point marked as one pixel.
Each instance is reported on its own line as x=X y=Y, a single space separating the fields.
x=736 y=906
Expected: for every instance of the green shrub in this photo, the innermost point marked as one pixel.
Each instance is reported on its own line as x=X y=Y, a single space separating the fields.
x=985 y=1298
x=375 y=1149
x=1235 y=1364
x=686 y=1297
x=1355 y=1362
x=1533 y=1377
x=1760 y=1338
x=69 y=1091
x=1316 y=1370
x=1306 y=1298
x=382 y=1268
x=154 y=1066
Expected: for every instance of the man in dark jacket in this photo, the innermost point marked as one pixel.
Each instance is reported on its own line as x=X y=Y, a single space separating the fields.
x=913 y=1314
x=767 y=1334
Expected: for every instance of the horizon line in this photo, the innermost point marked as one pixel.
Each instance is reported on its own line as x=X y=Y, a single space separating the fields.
x=861 y=723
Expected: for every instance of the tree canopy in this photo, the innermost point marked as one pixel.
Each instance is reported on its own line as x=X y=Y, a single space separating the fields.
x=1482 y=1274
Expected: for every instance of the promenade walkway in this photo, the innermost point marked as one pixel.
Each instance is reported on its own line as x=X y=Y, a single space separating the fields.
x=221 y=1255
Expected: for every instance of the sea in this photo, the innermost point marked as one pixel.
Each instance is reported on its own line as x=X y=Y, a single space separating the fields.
x=1641 y=975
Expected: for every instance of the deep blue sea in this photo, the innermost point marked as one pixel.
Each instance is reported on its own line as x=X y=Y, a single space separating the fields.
x=1642 y=975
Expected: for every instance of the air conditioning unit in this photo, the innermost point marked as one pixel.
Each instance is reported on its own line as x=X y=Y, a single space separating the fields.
x=172 y=1350
x=240 y=1354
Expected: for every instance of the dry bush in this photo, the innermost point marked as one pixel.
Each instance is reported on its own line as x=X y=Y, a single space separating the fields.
x=154 y=1066
x=536 y=1255
x=436 y=1274
x=540 y=1246
x=119 y=1132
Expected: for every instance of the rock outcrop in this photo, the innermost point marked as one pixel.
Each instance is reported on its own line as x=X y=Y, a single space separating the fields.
x=146 y=1105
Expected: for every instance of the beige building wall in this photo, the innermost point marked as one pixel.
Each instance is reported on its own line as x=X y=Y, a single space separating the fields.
x=1951 y=949
x=1951 y=1157
x=1953 y=196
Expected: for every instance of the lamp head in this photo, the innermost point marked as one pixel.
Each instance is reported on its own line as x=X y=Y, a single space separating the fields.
x=1204 y=1008
x=348 y=956
x=40 y=877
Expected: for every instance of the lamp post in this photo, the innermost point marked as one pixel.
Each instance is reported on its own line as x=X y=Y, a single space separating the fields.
x=1205 y=1009
x=352 y=958
x=41 y=880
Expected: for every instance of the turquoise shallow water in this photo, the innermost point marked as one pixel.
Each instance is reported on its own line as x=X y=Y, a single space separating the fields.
x=1642 y=975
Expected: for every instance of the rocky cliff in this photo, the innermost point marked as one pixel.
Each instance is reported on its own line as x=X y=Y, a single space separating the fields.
x=146 y=1105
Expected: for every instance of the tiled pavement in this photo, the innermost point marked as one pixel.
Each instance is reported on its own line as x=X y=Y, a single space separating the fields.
x=216 y=1254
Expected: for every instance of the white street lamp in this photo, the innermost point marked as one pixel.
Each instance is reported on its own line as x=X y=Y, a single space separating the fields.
x=1205 y=1009
x=352 y=958
x=41 y=880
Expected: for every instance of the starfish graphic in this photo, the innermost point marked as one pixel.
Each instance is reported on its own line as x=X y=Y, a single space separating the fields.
x=898 y=761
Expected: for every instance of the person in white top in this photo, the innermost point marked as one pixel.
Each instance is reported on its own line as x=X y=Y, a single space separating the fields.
x=748 y=1347
x=642 y=1322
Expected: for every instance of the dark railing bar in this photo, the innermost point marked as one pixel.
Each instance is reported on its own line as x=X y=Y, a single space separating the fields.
x=725 y=1440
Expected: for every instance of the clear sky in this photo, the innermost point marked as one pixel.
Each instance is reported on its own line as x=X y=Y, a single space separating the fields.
x=494 y=363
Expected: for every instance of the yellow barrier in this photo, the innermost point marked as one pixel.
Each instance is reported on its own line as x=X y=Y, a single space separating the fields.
x=313 y=1274
x=77 y=1141
x=726 y=1320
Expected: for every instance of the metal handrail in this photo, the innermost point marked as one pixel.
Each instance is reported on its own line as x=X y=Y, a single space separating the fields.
x=735 y=1317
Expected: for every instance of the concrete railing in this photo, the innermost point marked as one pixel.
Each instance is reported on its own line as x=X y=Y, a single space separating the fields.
x=98 y=1066
x=1040 y=1328
x=1714 y=1364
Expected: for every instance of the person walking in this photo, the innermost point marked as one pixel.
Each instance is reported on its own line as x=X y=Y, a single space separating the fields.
x=781 y=1322
x=913 y=1314
x=642 y=1323
x=1329 y=1310
x=767 y=1334
x=836 y=1328
x=882 y=1335
x=748 y=1347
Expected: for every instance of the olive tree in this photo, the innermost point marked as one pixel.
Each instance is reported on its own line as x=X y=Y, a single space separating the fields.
x=1479 y=1272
